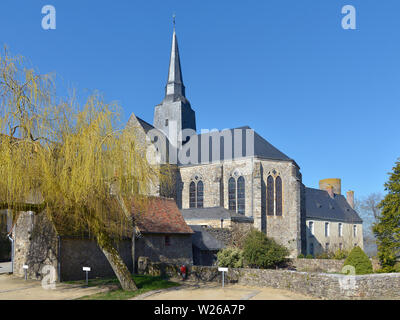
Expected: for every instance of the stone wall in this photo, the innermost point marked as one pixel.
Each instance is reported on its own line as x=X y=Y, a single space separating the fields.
x=320 y=285
x=346 y=241
x=154 y=247
x=36 y=245
x=78 y=253
x=318 y=265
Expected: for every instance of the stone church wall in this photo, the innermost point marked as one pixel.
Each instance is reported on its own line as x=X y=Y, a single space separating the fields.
x=78 y=253
x=286 y=229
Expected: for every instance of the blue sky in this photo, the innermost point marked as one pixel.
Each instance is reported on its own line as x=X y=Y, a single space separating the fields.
x=325 y=96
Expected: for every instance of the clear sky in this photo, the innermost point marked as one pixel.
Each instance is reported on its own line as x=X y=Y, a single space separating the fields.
x=325 y=96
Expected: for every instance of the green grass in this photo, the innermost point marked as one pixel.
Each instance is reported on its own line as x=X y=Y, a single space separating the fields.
x=144 y=283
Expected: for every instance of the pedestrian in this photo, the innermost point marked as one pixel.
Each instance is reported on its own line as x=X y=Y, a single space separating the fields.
x=183 y=272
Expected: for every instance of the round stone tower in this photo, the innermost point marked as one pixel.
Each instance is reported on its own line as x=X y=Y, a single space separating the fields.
x=335 y=183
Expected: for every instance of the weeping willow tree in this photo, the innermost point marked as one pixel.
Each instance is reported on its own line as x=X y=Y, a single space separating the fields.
x=70 y=161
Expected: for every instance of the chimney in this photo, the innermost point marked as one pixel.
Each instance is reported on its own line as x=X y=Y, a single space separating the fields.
x=329 y=189
x=350 y=198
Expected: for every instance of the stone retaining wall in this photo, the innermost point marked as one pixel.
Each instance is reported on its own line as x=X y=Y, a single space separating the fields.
x=324 y=265
x=320 y=285
x=318 y=265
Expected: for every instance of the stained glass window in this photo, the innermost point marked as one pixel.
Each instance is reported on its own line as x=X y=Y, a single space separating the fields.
x=270 y=196
x=241 y=195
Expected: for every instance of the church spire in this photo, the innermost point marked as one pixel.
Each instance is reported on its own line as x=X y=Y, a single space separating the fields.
x=174 y=88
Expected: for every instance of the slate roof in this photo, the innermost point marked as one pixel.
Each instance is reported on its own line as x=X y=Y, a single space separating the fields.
x=145 y=125
x=319 y=205
x=213 y=213
x=203 y=240
x=262 y=148
x=160 y=215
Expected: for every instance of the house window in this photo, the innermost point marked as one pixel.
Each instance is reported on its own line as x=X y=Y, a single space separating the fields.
x=241 y=195
x=278 y=192
x=340 y=230
x=311 y=227
x=232 y=194
x=340 y=246
x=312 y=248
x=166 y=122
x=270 y=196
x=236 y=194
x=327 y=246
x=355 y=231
x=326 y=229
x=196 y=194
x=167 y=241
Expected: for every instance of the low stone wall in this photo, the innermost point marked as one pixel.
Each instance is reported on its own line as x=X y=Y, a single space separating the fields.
x=318 y=265
x=320 y=285
x=324 y=265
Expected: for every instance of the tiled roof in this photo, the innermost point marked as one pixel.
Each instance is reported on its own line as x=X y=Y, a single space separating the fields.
x=160 y=215
x=319 y=205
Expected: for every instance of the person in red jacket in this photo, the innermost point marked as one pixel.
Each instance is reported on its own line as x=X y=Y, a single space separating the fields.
x=183 y=271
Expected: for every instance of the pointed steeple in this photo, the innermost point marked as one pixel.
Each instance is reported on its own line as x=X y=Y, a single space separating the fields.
x=174 y=90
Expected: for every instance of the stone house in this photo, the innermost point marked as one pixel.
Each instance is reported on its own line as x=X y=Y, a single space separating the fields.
x=332 y=223
x=162 y=235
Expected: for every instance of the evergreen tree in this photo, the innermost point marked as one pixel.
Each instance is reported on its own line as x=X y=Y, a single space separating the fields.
x=387 y=227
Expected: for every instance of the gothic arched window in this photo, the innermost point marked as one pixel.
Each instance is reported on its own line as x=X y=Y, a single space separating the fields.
x=270 y=196
x=241 y=195
x=200 y=194
x=232 y=194
x=196 y=194
x=192 y=195
x=278 y=197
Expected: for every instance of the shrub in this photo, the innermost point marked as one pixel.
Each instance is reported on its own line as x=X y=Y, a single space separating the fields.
x=230 y=257
x=309 y=256
x=300 y=256
x=390 y=269
x=340 y=254
x=324 y=255
x=359 y=260
x=262 y=252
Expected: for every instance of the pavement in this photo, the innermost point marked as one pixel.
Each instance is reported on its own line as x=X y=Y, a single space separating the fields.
x=13 y=288
x=5 y=267
x=192 y=291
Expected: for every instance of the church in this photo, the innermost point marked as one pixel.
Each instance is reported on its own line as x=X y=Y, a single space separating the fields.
x=236 y=176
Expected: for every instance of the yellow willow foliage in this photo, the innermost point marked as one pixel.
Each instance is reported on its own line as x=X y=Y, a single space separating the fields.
x=70 y=158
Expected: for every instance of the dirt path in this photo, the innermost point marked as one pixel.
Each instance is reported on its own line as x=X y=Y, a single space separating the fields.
x=216 y=292
x=12 y=288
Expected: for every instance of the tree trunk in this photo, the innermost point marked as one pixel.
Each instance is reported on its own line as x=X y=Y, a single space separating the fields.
x=116 y=262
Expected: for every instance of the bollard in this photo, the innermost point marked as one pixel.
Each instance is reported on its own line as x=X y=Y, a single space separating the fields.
x=223 y=270
x=86 y=269
x=25 y=267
